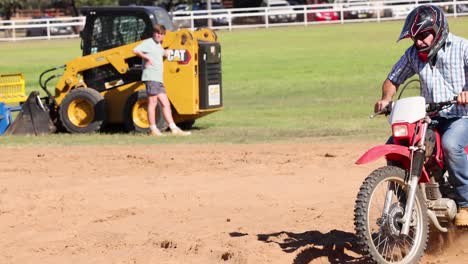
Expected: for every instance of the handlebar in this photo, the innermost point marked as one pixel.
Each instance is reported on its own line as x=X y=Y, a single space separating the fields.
x=436 y=107
x=430 y=107
x=385 y=111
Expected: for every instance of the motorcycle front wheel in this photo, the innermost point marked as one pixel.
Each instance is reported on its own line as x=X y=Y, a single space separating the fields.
x=379 y=208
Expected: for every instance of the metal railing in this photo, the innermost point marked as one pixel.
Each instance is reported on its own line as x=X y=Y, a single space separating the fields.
x=42 y=28
x=229 y=19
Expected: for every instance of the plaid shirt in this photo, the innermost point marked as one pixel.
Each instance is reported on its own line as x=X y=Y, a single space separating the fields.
x=441 y=82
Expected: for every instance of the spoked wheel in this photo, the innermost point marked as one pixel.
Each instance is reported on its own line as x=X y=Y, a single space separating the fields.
x=380 y=206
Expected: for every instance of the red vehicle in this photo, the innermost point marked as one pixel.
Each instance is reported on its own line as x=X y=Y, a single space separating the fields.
x=322 y=13
x=396 y=202
x=327 y=15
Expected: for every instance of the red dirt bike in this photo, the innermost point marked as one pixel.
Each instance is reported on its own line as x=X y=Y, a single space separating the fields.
x=396 y=202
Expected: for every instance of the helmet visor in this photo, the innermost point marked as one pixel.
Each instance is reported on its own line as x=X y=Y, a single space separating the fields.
x=406 y=31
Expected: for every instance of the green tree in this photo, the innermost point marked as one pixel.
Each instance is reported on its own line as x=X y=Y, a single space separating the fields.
x=96 y=2
x=8 y=8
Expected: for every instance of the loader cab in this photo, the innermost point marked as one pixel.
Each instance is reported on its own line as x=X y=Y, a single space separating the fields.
x=114 y=26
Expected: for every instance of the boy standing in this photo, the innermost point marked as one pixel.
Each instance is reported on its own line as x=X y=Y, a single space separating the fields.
x=152 y=53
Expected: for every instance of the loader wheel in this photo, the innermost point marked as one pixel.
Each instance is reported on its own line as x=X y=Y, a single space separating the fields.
x=186 y=125
x=136 y=113
x=83 y=110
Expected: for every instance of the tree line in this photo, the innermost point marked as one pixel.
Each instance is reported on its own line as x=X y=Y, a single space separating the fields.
x=9 y=7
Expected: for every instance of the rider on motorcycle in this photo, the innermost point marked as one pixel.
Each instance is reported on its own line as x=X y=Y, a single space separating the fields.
x=441 y=61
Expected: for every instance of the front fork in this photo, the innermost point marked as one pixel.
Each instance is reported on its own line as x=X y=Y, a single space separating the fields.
x=417 y=162
x=418 y=155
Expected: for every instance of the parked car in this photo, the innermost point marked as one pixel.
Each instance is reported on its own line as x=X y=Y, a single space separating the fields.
x=461 y=8
x=281 y=10
x=221 y=20
x=326 y=12
x=361 y=9
x=396 y=8
x=182 y=10
x=42 y=31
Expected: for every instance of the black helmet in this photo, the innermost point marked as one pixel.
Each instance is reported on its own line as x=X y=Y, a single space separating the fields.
x=429 y=19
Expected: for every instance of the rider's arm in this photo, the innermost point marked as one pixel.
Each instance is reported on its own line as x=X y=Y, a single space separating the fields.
x=401 y=71
x=389 y=89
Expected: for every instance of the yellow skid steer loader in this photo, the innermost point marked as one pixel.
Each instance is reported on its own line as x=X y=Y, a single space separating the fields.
x=103 y=86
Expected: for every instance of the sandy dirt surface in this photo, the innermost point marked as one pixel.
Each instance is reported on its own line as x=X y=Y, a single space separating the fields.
x=271 y=203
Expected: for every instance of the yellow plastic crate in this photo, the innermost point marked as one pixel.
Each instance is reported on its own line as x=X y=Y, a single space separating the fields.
x=12 y=88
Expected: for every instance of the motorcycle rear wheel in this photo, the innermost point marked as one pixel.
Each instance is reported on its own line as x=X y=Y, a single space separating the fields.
x=378 y=232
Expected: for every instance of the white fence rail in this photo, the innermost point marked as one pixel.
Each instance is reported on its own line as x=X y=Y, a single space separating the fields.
x=309 y=14
x=43 y=28
x=303 y=15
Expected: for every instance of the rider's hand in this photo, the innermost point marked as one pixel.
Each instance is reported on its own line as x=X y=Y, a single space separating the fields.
x=463 y=98
x=380 y=105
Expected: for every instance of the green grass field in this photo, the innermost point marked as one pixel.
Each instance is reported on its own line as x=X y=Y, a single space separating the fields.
x=289 y=84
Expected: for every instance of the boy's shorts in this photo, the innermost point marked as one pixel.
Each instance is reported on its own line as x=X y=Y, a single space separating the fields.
x=154 y=88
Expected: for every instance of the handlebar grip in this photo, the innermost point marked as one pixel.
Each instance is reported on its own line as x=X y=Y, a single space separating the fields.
x=385 y=111
x=431 y=107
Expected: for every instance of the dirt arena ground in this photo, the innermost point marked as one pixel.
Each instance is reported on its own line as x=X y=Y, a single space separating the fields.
x=260 y=203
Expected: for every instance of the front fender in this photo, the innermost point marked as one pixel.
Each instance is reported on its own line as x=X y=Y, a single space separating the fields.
x=390 y=151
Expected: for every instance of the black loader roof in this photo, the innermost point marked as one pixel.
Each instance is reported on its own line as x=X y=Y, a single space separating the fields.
x=157 y=15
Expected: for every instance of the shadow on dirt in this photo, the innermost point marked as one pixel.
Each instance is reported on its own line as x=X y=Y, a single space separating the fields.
x=333 y=247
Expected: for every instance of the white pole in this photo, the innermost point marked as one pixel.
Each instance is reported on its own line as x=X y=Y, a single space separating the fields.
x=208 y=7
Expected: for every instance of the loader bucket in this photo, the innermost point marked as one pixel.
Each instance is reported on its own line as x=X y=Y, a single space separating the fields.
x=33 y=119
